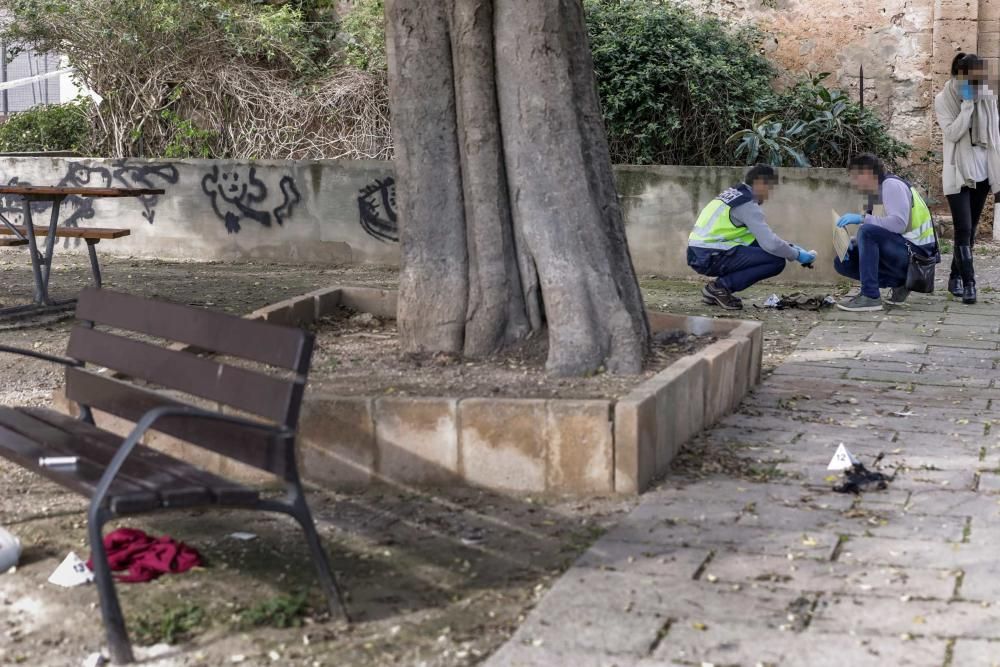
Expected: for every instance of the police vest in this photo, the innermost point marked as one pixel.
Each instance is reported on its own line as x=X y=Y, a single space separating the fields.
x=715 y=229
x=921 y=229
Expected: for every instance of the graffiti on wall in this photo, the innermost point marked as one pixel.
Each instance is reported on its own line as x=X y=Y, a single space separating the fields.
x=81 y=175
x=238 y=195
x=377 y=206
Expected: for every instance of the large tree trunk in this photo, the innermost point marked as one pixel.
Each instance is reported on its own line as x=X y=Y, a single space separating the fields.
x=510 y=222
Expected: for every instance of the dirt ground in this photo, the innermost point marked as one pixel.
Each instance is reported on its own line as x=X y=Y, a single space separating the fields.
x=357 y=354
x=433 y=578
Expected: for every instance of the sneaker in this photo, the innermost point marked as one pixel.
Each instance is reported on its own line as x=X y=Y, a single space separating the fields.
x=717 y=295
x=897 y=297
x=860 y=304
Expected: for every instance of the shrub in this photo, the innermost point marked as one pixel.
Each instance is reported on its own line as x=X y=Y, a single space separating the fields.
x=363 y=35
x=674 y=85
x=54 y=127
x=810 y=124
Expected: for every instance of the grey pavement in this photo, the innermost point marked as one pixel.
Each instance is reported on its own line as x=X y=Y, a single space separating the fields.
x=777 y=569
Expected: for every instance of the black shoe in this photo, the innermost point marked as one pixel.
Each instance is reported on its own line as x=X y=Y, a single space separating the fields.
x=956 y=286
x=965 y=263
x=969 y=294
x=717 y=295
x=897 y=297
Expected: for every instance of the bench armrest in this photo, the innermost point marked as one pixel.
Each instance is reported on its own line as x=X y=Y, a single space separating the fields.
x=146 y=423
x=65 y=361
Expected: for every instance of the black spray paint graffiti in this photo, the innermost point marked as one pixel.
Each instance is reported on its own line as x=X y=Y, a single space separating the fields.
x=236 y=196
x=377 y=204
x=78 y=174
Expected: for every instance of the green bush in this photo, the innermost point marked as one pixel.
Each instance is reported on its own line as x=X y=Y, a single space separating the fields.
x=674 y=85
x=811 y=125
x=54 y=127
x=363 y=35
x=681 y=88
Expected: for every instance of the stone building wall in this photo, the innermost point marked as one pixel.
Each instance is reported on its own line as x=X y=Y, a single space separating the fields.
x=905 y=46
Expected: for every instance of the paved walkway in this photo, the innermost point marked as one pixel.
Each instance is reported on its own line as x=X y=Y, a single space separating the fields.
x=726 y=571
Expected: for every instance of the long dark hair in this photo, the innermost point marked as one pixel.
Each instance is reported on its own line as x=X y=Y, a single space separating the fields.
x=963 y=63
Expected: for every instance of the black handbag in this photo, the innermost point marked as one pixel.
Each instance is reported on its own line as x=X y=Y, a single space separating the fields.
x=920 y=272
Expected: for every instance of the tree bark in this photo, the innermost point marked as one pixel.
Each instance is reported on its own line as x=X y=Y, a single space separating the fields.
x=510 y=220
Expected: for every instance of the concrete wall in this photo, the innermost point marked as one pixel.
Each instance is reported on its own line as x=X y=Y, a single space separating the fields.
x=344 y=212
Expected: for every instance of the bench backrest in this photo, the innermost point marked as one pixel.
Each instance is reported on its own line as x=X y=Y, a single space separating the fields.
x=271 y=389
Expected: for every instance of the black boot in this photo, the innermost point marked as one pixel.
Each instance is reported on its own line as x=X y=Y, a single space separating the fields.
x=964 y=254
x=955 y=285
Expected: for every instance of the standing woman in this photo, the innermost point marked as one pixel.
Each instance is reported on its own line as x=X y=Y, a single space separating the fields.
x=967 y=112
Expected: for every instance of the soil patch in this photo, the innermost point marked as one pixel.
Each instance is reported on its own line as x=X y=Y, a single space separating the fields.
x=357 y=354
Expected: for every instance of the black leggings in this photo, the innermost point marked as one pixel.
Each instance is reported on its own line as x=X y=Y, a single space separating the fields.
x=966 y=209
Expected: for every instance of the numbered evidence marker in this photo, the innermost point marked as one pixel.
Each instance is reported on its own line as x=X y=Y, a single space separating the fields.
x=71 y=572
x=842 y=459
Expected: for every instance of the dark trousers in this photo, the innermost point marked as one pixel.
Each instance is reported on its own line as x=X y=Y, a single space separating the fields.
x=966 y=209
x=737 y=268
x=878 y=258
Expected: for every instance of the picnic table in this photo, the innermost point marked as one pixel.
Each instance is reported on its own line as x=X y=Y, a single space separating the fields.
x=28 y=233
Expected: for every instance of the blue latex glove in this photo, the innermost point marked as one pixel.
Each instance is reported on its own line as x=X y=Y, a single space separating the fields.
x=967 y=90
x=805 y=257
x=850 y=219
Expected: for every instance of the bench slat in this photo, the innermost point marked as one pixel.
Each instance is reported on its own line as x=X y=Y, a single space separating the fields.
x=102 y=233
x=83 y=478
x=161 y=487
x=11 y=242
x=225 y=491
x=266 y=343
x=250 y=446
x=240 y=388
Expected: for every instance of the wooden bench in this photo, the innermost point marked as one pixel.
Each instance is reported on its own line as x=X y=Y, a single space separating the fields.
x=121 y=476
x=92 y=236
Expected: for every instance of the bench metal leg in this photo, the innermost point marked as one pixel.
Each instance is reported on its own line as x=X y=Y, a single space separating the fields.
x=114 y=620
x=95 y=267
x=299 y=510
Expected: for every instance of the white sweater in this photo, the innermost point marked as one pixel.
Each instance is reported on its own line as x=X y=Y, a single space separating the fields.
x=955 y=139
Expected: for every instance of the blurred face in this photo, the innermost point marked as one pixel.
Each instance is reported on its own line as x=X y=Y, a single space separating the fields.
x=864 y=180
x=762 y=189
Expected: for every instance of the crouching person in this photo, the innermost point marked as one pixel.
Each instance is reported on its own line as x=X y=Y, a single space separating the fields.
x=880 y=254
x=733 y=243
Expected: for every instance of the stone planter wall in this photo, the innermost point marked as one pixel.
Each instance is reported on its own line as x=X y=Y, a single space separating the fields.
x=579 y=447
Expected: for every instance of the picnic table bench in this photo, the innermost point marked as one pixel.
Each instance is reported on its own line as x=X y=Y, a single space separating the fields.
x=27 y=233
x=123 y=477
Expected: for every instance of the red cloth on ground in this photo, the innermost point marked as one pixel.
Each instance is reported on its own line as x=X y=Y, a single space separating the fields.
x=146 y=557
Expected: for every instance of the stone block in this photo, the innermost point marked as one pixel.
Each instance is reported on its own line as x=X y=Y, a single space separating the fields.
x=956 y=10
x=297 y=311
x=989 y=42
x=754 y=331
x=680 y=407
x=635 y=441
x=502 y=443
x=379 y=302
x=989 y=10
x=722 y=358
x=699 y=326
x=325 y=301
x=581 y=448
x=337 y=441
x=416 y=440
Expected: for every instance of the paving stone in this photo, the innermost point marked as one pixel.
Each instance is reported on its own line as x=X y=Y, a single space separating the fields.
x=925 y=378
x=750 y=646
x=910 y=553
x=797 y=544
x=976 y=652
x=881 y=616
x=805 y=574
x=634 y=558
